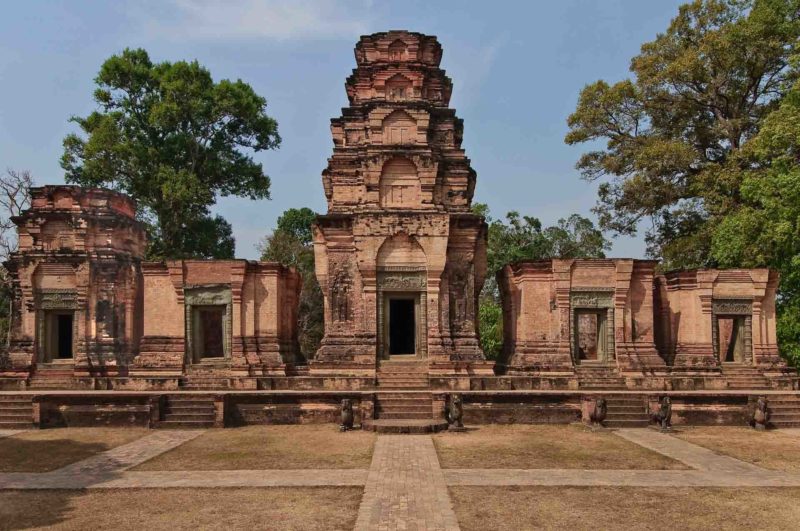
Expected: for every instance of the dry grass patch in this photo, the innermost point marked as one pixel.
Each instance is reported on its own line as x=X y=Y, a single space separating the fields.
x=317 y=508
x=47 y=450
x=625 y=508
x=269 y=447
x=768 y=449
x=545 y=446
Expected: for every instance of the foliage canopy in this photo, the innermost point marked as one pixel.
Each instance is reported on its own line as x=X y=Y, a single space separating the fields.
x=174 y=139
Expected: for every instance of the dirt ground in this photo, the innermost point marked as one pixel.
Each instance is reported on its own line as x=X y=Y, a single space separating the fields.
x=307 y=509
x=625 y=508
x=266 y=447
x=545 y=446
x=46 y=450
x=768 y=449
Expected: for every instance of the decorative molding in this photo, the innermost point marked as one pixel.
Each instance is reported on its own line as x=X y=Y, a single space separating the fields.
x=732 y=306
x=56 y=299
x=592 y=299
x=402 y=281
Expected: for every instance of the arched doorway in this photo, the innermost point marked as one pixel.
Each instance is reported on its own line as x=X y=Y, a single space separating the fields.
x=402 y=310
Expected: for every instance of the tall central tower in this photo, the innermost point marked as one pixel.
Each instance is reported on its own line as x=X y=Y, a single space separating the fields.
x=400 y=257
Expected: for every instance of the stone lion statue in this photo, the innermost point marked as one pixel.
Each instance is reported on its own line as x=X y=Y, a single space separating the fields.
x=455 y=411
x=598 y=414
x=347 y=415
x=760 y=414
x=663 y=417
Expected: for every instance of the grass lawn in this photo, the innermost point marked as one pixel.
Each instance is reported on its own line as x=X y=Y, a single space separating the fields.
x=767 y=449
x=46 y=450
x=274 y=508
x=625 y=508
x=266 y=447
x=545 y=446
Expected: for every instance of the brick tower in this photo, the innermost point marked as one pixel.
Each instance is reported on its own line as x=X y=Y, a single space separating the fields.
x=400 y=257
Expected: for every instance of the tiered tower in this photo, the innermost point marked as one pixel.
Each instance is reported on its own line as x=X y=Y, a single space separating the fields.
x=400 y=257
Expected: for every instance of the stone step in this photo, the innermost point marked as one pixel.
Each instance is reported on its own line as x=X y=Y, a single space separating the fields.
x=403 y=415
x=19 y=417
x=190 y=402
x=194 y=406
x=16 y=405
x=781 y=415
x=785 y=424
x=404 y=409
x=185 y=424
x=404 y=401
x=14 y=398
x=615 y=415
x=614 y=423
x=625 y=409
x=14 y=425
x=405 y=426
x=190 y=417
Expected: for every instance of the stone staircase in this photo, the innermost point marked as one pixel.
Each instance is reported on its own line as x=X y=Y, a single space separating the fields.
x=204 y=383
x=784 y=411
x=52 y=378
x=402 y=401
x=744 y=377
x=626 y=411
x=599 y=377
x=188 y=411
x=16 y=412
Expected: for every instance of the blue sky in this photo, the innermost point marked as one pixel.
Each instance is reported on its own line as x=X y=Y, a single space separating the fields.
x=517 y=69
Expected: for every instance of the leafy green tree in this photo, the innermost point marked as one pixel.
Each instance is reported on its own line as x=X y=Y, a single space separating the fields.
x=174 y=139
x=764 y=231
x=524 y=238
x=291 y=245
x=672 y=133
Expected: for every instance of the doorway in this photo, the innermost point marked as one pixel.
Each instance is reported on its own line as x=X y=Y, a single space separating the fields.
x=208 y=331
x=402 y=326
x=59 y=344
x=730 y=338
x=590 y=335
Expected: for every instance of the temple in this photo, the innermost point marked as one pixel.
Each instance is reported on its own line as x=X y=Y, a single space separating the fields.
x=99 y=335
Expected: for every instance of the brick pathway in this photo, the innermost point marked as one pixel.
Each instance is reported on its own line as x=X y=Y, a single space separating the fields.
x=131 y=454
x=186 y=479
x=405 y=488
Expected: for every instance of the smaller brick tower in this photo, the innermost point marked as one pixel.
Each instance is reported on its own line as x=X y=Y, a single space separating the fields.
x=76 y=278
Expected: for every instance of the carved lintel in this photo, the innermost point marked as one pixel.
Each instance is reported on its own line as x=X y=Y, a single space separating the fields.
x=57 y=299
x=397 y=280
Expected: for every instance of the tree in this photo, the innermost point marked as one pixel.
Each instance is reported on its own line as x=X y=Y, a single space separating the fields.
x=523 y=238
x=764 y=231
x=291 y=245
x=700 y=91
x=173 y=139
x=15 y=197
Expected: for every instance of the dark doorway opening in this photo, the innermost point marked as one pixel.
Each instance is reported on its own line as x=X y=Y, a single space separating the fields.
x=402 y=324
x=58 y=336
x=731 y=338
x=209 y=332
x=64 y=336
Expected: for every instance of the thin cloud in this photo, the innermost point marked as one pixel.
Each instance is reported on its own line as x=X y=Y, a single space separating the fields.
x=279 y=20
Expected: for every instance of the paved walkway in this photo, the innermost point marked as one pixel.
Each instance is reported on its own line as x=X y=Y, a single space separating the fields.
x=8 y=433
x=405 y=488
